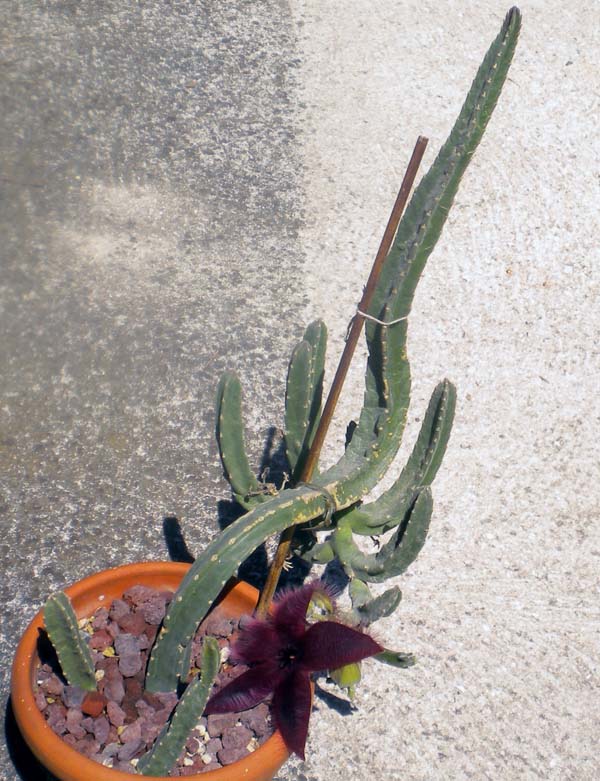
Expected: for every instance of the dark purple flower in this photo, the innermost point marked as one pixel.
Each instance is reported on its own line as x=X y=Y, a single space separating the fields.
x=282 y=651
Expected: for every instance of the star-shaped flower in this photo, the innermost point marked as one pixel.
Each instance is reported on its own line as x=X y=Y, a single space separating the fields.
x=282 y=651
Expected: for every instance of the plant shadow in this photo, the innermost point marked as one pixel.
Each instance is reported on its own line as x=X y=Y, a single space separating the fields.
x=273 y=474
x=338 y=704
x=175 y=541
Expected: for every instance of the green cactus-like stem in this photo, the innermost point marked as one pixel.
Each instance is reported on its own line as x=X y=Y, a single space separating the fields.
x=220 y=560
x=73 y=653
x=396 y=555
x=377 y=437
x=303 y=396
x=396 y=658
x=427 y=212
x=163 y=755
x=297 y=401
x=185 y=667
x=379 y=607
x=212 y=569
x=303 y=408
x=430 y=448
x=388 y=510
x=417 y=235
x=230 y=439
x=359 y=593
x=320 y=553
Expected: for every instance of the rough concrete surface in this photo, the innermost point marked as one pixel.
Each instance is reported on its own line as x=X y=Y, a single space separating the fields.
x=185 y=186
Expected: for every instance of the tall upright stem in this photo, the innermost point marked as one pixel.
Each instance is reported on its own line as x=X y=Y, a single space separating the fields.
x=358 y=320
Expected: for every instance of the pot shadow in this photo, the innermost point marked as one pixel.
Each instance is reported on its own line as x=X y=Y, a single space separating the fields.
x=25 y=763
x=27 y=766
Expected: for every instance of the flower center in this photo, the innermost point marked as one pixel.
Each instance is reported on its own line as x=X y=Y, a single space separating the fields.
x=288 y=656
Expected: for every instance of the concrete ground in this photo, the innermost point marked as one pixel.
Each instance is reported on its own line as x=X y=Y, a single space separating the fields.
x=184 y=187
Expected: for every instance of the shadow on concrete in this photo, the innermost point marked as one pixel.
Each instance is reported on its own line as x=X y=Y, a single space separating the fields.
x=26 y=765
x=253 y=570
x=176 y=544
x=338 y=704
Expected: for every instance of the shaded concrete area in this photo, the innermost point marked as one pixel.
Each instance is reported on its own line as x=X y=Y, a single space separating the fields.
x=149 y=215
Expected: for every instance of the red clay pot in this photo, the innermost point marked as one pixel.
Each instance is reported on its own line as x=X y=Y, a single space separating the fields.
x=86 y=595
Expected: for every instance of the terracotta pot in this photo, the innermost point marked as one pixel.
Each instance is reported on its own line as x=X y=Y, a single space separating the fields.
x=86 y=595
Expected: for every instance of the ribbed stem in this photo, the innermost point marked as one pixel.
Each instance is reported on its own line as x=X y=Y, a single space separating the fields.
x=285 y=541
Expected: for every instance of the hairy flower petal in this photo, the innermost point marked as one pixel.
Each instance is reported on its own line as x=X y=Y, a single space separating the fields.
x=283 y=650
x=328 y=645
x=292 y=703
x=258 y=641
x=244 y=692
x=289 y=609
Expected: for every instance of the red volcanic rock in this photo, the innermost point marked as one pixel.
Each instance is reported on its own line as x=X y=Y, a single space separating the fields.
x=93 y=704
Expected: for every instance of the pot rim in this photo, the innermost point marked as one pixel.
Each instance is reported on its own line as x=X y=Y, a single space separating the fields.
x=63 y=760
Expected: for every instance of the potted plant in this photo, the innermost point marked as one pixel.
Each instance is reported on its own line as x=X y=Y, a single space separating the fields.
x=320 y=516
x=86 y=596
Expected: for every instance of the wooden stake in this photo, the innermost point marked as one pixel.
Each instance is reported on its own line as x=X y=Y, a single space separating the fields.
x=358 y=320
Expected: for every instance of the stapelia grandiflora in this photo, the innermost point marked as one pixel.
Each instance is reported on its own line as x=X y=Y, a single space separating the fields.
x=282 y=651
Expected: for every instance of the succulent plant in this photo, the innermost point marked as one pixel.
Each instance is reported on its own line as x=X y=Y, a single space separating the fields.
x=163 y=754
x=330 y=509
x=333 y=500
x=71 y=648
